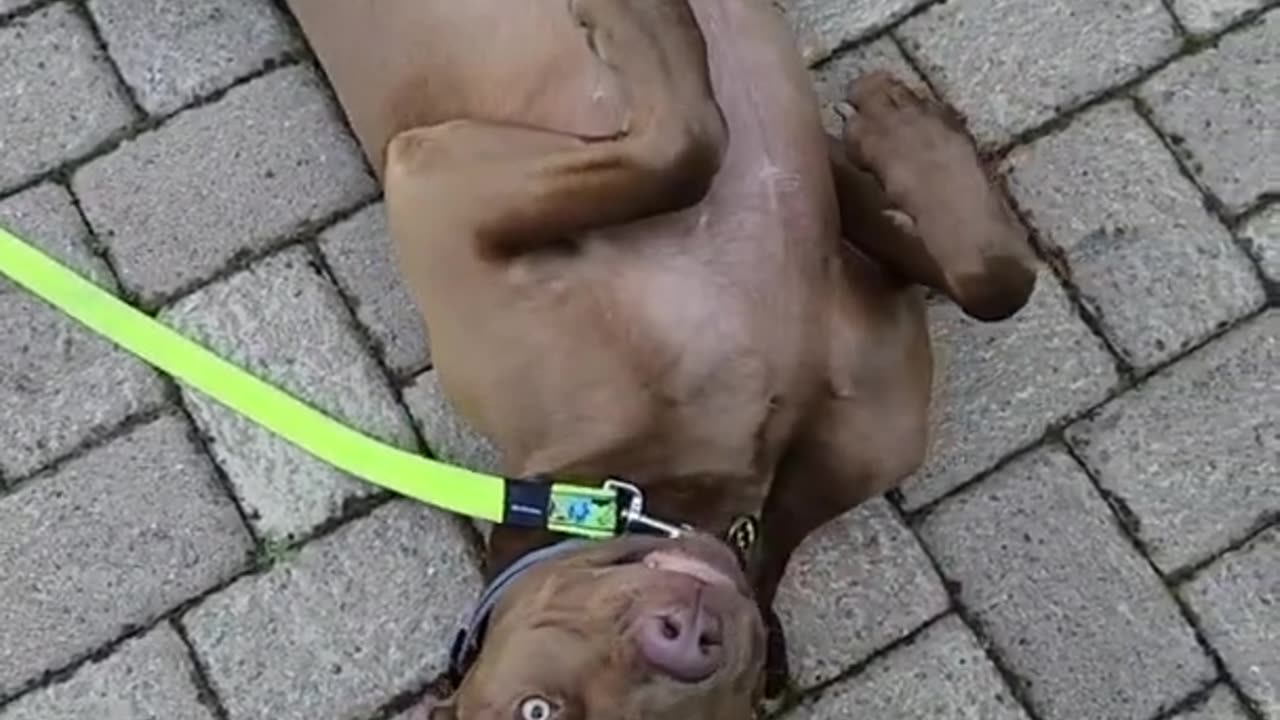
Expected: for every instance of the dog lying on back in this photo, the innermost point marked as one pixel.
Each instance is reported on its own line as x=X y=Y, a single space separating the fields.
x=637 y=254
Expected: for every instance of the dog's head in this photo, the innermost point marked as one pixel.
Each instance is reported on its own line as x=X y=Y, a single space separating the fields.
x=637 y=627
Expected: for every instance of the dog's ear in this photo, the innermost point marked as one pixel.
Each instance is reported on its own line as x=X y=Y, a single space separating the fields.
x=432 y=708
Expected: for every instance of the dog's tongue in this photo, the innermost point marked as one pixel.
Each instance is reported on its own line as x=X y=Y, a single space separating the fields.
x=686 y=565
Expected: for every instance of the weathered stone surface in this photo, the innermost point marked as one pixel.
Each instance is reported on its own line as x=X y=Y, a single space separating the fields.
x=999 y=386
x=1219 y=108
x=359 y=252
x=857 y=585
x=1262 y=234
x=59 y=97
x=1207 y=16
x=353 y=619
x=180 y=203
x=171 y=53
x=283 y=321
x=823 y=26
x=147 y=677
x=832 y=79
x=59 y=383
x=1220 y=705
x=1194 y=453
x=942 y=674
x=1011 y=65
x=45 y=217
x=1155 y=268
x=1237 y=604
x=110 y=541
x=448 y=436
x=1064 y=598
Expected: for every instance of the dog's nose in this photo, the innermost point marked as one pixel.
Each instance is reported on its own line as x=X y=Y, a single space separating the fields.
x=683 y=642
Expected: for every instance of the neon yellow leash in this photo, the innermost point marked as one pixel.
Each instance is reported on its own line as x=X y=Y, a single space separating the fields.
x=593 y=512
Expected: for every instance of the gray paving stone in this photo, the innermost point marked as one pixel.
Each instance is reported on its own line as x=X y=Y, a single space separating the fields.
x=1207 y=16
x=147 y=677
x=942 y=674
x=1219 y=108
x=832 y=78
x=110 y=541
x=1155 y=268
x=823 y=26
x=171 y=53
x=448 y=436
x=45 y=217
x=282 y=320
x=1011 y=65
x=178 y=204
x=1262 y=234
x=859 y=584
x=59 y=383
x=999 y=386
x=1063 y=597
x=1195 y=452
x=60 y=97
x=1237 y=604
x=1220 y=705
x=353 y=619
x=359 y=252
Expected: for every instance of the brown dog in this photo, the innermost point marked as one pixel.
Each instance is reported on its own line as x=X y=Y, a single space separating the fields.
x=638 y=255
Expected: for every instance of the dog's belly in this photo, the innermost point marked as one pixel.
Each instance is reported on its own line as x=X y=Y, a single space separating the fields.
x=680 y=345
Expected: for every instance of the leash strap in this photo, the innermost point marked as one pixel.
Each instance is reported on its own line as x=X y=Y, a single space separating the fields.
x=591 y=512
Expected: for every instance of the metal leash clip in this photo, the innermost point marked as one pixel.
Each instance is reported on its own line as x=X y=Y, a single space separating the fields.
x=633 y=516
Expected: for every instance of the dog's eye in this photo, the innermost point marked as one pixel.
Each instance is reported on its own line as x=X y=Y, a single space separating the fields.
x=535 y=708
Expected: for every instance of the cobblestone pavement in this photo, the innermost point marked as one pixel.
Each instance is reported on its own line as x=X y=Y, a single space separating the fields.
x=1096 y=535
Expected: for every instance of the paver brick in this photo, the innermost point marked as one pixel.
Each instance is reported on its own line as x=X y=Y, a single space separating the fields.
x=180 y=203
x=146 y=677
x=110 y=541
x=942 y=674
x=59 y=98
x=859 y=584
x=999 y=386
x=1153 y=266
x=1063 y=597
x=1194 y=454
x=1011 y=65
x=359 y=252
x=1262 y=234
x=354 y=619
x=823 y=26
x=60 y=384
x=1220 y=705
x=831 y=79
x=1237 y=604
x=1207 y=16
x=282 y=320
x=446 y=433
x=172 y=53
x=1219 y=109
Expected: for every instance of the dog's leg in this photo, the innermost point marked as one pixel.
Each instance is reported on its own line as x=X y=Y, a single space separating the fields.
x=517 y=189
x=913 y=196
x=863 y=437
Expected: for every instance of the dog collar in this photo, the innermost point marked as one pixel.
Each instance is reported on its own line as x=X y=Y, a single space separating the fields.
x=466 y=644
x=611 y=509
